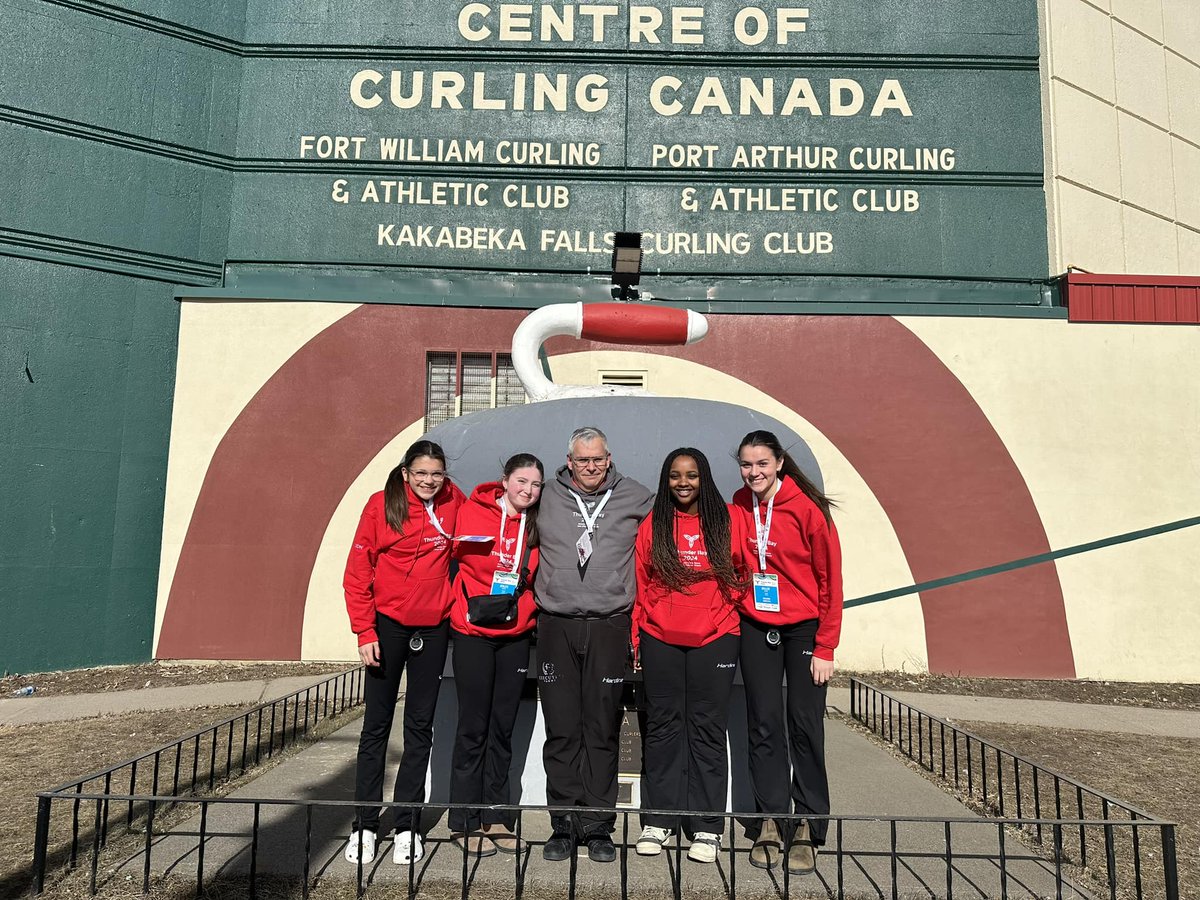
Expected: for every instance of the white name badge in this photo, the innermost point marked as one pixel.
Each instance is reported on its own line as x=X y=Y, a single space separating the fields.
x=474 y=538
x=584 y=547
x=505 y=582
x=766 y=592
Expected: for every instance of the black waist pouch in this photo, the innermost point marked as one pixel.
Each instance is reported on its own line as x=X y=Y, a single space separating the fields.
x=499 y=610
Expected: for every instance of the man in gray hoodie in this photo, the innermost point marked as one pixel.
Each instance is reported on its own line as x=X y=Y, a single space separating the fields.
x=587 y=523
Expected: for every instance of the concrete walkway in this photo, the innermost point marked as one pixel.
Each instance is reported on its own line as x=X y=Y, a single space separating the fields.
x=865 y=780
x=64 y=707
x=1050 y=713
x=1047 y=713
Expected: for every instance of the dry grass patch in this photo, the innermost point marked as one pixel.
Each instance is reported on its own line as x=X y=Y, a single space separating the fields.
x=42 y=756
x=1161 y=775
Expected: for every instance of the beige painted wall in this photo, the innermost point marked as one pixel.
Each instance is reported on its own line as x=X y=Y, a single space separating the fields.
x=227 y=351
x=1121 y=82
x=1104 y=424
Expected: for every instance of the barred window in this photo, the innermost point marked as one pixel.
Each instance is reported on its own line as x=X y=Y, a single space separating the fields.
x=509 y=391
x=441 y=387
x=461 y=383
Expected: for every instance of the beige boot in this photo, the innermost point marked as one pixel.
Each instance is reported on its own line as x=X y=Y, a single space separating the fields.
x=504 y=839
x=802 y=854
x=768 y=848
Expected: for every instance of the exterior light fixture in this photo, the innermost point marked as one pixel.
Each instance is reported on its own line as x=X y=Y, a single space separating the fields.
x=626 y=265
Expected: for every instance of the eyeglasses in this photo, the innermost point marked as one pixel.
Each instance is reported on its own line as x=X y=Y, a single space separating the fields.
x=422 y=475
x=590 y=460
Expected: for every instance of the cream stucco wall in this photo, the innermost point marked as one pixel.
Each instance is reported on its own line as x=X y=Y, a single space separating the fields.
x=1121 y=80
x=1103 y=454
x=227 y=351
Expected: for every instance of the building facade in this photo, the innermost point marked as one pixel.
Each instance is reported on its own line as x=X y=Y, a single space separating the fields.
x=251 y=249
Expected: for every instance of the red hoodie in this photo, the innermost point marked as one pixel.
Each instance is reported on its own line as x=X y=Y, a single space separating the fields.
x=700 y=613
x=405 y=577
x=477 y=561
x=803 y=550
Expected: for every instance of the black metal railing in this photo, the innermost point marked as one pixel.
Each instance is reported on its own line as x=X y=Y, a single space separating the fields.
x=880 y=856
x=153 y=821
x=147 y=786
x=1098 y=829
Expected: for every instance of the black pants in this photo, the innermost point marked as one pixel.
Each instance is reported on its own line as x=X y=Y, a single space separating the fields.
x=803 y=740
x=687 y=709
x=420 y=702
x=581 y=674
x=489 y=674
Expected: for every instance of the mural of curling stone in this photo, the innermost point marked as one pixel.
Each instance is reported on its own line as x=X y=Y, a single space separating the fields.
x=642 y=429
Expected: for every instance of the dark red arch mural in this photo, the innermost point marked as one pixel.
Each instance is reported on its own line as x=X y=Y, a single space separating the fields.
x=944 y=478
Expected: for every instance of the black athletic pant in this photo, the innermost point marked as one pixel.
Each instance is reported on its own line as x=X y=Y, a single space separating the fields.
x=581 y=674
x=687 y=709
x=803 y=738
x=489 y=674
x=420 y=702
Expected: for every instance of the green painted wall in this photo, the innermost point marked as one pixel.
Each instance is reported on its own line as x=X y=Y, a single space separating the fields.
x=108 y=200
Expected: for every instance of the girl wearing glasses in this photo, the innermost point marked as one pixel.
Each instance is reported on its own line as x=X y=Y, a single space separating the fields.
x=791 y=623
x=398 y=597
x=491 y=623
x=690 y=577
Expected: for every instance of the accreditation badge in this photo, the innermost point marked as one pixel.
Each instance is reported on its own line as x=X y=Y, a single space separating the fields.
x=584 y=548
x=505 y=582
x=766 y=592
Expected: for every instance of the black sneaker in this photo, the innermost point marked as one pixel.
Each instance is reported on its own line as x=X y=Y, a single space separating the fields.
x=601 y=849
x=559 y=847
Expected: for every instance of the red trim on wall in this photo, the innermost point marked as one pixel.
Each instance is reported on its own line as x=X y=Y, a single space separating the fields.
x=1132 y=299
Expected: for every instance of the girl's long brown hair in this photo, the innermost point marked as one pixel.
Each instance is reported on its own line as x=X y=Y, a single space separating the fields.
x=714 y=523
x=395 y=498
x=790 y=469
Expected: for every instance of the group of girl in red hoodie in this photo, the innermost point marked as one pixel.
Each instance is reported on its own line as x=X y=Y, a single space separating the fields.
x=755 y=583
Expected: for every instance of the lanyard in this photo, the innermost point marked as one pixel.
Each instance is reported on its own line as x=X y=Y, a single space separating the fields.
x=520 y=533
x=434 y=520
x=763 y=531
x=590 y=521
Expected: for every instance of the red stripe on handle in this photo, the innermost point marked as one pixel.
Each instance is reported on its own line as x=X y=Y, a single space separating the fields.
x=624 y=323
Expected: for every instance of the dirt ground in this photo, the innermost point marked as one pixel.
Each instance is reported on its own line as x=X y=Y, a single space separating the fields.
x=42 y=756
x=1161 y=775
x=159 y=674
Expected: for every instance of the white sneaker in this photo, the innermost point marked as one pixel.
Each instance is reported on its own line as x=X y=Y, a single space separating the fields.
x=365 y=839
x=705 y=847
x=407 y=848
x=651 y=841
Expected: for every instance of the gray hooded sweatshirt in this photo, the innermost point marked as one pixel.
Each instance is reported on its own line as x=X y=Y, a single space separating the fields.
x=605 y=585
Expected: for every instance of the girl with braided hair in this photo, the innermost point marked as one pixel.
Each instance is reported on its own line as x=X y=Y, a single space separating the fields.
x=691 y=575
